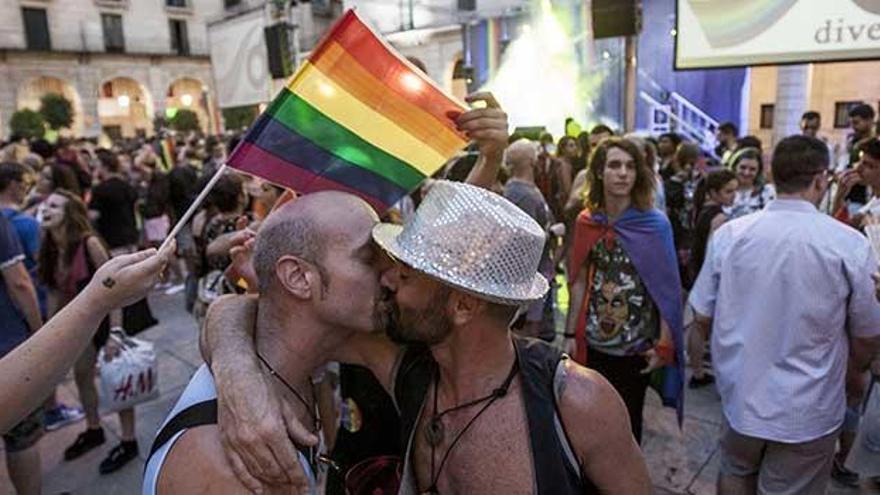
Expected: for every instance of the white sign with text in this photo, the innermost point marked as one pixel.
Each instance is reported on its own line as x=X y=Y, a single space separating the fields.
x=725 y=33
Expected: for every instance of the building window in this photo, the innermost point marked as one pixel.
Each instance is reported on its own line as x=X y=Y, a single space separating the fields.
x=231 y=3
x=179 y=38
x=114 y=41
x=112 y=4
x=767 y=116
x=841 y=113
x=181 y=4
x=36 y=29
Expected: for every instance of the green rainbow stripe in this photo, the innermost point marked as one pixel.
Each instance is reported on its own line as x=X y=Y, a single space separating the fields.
x=355 y=117
x=297 y=115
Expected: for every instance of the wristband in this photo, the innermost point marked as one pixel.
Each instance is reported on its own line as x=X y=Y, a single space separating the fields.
x=666 y=352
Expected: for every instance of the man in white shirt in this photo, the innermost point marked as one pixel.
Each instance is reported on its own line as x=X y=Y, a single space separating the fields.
x=787 y=293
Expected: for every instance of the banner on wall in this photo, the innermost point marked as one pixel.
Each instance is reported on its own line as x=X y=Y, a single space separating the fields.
x=239 y=61
x=725 y=33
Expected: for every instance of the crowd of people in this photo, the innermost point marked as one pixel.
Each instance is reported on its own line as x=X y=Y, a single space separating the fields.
x=647 y=235
x=70 y=206
x=660 y=245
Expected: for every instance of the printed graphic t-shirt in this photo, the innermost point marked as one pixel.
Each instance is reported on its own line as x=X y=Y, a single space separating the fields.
x=622 y=319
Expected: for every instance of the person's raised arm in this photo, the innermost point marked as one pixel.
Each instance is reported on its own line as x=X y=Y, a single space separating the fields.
x=488 y=128
x=31 y=371
x=598 y=427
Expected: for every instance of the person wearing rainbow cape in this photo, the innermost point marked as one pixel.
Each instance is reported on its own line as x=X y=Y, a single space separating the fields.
x=625 y=317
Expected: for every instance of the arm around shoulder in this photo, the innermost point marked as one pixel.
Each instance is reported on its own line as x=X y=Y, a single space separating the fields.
x=598 y=426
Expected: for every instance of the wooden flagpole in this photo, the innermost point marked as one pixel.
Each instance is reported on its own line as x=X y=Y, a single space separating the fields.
x=194 y=206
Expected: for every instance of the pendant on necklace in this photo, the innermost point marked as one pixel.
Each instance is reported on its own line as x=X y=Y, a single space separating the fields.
x=434 y=432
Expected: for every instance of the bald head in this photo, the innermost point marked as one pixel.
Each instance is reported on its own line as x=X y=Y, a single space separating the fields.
x=522 y=156
x=303 y=227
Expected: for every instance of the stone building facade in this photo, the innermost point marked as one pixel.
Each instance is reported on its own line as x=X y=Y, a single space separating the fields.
x=121 y=62
x=828 y=88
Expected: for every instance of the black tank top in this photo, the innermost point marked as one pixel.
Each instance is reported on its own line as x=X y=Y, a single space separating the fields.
x=538 y=362
x=376 y=434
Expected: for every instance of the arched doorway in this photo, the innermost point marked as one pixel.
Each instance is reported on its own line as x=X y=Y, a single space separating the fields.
x=29 y=95
x=190 y=94
x=125 y=108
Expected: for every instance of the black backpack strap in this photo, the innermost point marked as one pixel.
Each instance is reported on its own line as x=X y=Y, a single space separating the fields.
x=413 y=378
x=198 y=414
x=553 y=471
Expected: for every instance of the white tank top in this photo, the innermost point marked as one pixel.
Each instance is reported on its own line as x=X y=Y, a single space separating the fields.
x=201 y=388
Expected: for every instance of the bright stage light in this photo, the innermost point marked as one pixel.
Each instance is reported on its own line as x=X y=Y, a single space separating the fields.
x=123 y=101
x=187 y=100
x=539 y=80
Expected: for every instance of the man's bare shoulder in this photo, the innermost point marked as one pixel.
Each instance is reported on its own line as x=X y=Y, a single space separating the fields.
x=196 y=464
x=598 y=427
x=584 y=392
x=592 y=411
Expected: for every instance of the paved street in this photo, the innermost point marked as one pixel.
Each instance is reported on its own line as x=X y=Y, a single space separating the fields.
x=680 y=463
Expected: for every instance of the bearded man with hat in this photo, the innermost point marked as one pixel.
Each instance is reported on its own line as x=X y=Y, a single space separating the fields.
x=482 y=411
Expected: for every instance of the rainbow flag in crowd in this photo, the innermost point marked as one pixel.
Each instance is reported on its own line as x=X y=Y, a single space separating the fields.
x=355 y=117
x=489 y=39
x=165 y=149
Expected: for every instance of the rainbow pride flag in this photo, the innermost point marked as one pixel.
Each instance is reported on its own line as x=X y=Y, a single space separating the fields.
x=356 y=117
x=164 y=148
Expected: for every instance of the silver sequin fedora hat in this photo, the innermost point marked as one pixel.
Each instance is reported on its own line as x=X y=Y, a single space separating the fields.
x=471 y=239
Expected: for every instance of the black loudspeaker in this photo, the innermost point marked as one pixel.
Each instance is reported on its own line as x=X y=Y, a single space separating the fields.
x=616 y=18
x=278 y=49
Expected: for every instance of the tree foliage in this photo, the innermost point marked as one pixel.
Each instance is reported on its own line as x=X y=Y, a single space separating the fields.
x=185 y=120
x=237 y=118
x=56 y=110
x=28 y=124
